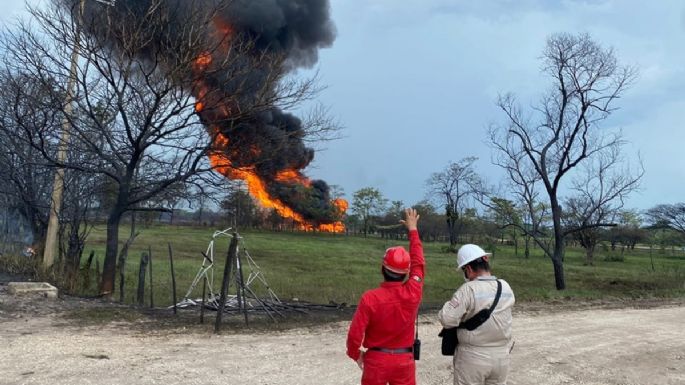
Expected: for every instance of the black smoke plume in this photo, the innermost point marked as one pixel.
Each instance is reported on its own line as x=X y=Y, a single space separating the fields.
x=267 y=140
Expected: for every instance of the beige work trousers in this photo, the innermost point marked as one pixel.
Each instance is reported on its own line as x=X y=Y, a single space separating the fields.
x=481 y=366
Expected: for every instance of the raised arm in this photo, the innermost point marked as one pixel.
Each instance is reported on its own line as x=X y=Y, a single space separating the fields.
x=417 y=271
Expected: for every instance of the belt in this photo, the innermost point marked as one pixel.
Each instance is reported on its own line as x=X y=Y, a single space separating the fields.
x=393 y=351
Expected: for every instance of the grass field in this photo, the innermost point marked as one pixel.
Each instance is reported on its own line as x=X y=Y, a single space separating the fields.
x=332 y=267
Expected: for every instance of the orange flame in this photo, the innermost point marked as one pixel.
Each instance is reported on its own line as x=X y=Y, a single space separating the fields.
x=293 y=177
x=222 y=163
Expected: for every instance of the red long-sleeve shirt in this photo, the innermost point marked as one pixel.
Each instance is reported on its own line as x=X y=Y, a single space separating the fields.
x=385 y=315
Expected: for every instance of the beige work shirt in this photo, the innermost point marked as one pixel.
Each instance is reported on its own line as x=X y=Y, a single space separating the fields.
x=469 y=299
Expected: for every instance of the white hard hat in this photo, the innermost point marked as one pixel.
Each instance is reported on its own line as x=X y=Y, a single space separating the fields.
x=469 y=253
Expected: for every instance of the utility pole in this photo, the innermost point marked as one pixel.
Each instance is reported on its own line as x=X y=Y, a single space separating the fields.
x=58 y=185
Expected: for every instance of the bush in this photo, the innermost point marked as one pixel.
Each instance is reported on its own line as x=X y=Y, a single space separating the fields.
x=19 y=265
x=614 y=257
x=450 y=249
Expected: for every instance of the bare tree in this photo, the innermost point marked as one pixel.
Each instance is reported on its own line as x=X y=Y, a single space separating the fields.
x=523 y=184
x=26 y=179
x=598 y=198
x=134 y=107
x=564 y=129
x=455 y=188
x=27 y=176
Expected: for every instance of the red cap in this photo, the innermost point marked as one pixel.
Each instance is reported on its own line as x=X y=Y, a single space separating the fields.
x=397 y=260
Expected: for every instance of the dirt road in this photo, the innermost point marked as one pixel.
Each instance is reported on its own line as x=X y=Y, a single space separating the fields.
x=624 y=346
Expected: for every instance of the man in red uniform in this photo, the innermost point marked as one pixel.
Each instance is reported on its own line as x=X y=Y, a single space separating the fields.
x=385 y=318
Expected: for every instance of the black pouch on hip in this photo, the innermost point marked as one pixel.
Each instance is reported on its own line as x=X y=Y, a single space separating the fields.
x=417 y=349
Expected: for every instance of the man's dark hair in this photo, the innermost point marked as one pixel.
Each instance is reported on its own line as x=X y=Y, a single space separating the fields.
x=392 y=276
x=479 y=264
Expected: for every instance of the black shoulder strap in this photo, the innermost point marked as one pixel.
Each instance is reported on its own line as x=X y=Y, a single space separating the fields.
x=483 y=315
x=499 y=293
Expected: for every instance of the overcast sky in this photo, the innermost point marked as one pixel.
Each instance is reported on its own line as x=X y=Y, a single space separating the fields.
x=414 y=83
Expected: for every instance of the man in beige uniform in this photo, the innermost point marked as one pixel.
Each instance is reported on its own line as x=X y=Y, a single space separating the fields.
x=482 y=356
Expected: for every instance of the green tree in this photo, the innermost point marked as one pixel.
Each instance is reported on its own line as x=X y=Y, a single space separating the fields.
x=432 y=224
x=628 y=231
x=508 y=219
x=240 y=208
x=367 y=203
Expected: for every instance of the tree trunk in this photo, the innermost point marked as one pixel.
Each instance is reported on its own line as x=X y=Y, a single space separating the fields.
x=110 y=264
x=590 y=255
x=73 y=254
x=122 y=274
x=199 y=215
x=516 y=246
x=527 y=249
x=451 y=230
x=124 y=255
x=559 y=274
x=558 y=256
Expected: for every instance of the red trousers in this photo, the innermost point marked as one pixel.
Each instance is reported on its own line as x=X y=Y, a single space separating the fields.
x=385 y=368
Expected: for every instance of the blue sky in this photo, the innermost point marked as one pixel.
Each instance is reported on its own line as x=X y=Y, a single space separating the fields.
x=414 y=83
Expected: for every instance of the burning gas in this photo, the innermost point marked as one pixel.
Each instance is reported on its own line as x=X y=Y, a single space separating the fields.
x=262 y=146
x=277 y=185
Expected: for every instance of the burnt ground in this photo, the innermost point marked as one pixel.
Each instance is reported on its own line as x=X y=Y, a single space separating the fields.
x=87 y=341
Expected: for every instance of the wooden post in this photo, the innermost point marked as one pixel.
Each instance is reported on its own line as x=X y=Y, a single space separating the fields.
x=242 y=302
x=97 y=270
x=230 y=257
x=152 y=295
x=85 y=271
x=173 y=278
x=123 y=256
x=204 y=291
x=90 y=260
x=141 y=278
x=122 y=274
x=651 y=257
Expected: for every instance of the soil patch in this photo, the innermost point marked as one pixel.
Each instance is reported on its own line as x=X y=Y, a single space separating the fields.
x=82 y=341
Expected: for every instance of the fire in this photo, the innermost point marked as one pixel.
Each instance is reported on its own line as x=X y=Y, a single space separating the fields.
x=257 y=188
x=336 y=227
x=294 y=177
x=204 y=60
x=255 y=185
x=221 y=162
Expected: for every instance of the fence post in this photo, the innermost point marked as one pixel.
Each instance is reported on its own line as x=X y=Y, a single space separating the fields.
x=232 y=251
x=141 y=279
x=173 y=278
x=152 y=295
